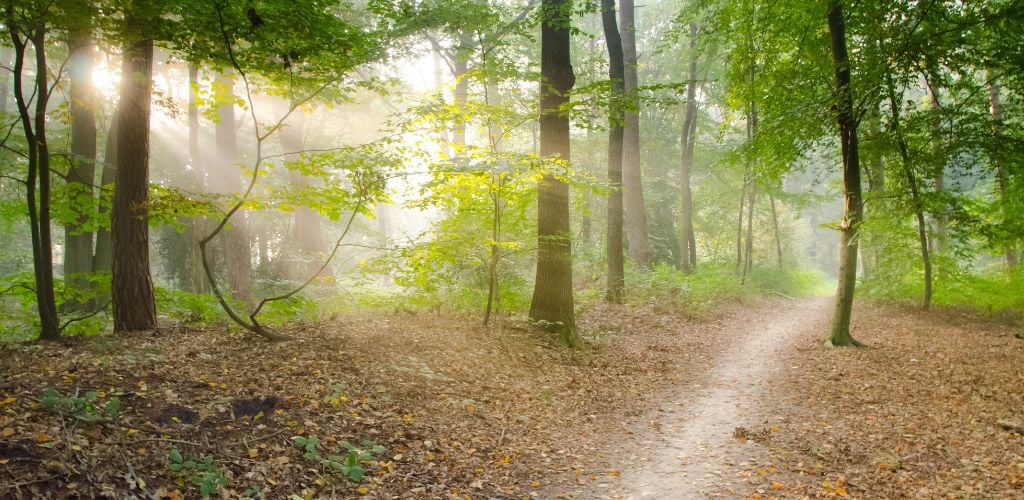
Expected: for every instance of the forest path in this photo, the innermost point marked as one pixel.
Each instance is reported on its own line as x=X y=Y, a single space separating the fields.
x=689 y=449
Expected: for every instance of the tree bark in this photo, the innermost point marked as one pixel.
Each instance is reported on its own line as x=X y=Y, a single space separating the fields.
x=78 y=251
x=632 y=178
x=1002 y=177
x=616 y=274
x=134 y=303
x=196 y=226
x=553 y=292
x=854 y=211
x=37 y=183
x=101 y=261
x=238 y=241
x=688 y=254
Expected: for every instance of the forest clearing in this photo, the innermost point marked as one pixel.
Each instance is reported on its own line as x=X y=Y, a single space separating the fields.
x=511 y=249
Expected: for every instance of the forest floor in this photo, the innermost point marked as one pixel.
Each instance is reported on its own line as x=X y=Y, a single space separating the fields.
x=743 y=403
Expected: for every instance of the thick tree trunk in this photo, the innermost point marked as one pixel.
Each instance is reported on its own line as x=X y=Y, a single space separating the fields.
x=688 y=254
x=616 y=274
x=553 y=292
x=132 y=286
x=632 y=178
x=238 y=241
x=78 y=251
x=37 y=183
x=1002 y=177
x=915 y=194
x=847 y=121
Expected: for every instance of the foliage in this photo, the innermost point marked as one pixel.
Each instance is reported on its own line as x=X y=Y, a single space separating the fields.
x=201 y=472
x=85 y=407
x=348 y=465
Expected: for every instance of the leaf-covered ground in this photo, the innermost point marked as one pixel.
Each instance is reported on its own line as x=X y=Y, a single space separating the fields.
x=443 y=405
x=435 y=407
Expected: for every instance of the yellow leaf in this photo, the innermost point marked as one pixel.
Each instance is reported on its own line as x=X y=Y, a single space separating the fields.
x=776 y=429
x=778 y=486
x=132 y=432
x=842 y=492
x=76 y=447
x=142 y=451
x=7 y=432
x=362 y=490
x=41 y=437
x=253 y=452
x=535 y=484
x=8 y=400
x=407 y=419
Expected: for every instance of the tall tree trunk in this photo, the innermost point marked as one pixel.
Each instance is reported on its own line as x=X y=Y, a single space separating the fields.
x=939 y=178
x=1002 y=178
x=632 y=178
x=876 y=189
x=78 y=249
x=238 y=241
x=553 y=292
x=5 y=85
x=307 y=240
x=748 y=254
x=775 y=229
x=132 y=286
x=915 y=195
x=37 y=183
x=196 y=226
x=854 y=211
x=616 y=275
x=101 y=262
x=688 y=254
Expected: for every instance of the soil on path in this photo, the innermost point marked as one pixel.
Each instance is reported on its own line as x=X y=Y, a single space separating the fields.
x=706 y=433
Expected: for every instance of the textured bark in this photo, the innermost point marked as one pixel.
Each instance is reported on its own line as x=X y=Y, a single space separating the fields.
x=616 y=274
x=553 y=292
x=78 y=251
x=1002 y=177
x=132 y=286
x=237 y=241
x=101 y=261
x=688 y=253
x=853 y=214
x=632 y=178
x=37 y=183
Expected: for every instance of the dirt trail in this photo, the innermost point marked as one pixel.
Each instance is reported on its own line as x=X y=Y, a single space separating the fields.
x=688 y=449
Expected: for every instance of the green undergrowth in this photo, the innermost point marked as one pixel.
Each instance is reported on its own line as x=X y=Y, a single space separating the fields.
x=715 y=283
x=989 y=292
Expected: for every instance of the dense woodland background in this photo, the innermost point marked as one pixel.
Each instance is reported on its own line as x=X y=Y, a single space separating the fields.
x=328 y=155
x=482 y=236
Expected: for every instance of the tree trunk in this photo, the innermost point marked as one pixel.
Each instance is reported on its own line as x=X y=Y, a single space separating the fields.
x=616 y=274
x=632 y=178
x=37 y=183
x=687 y=256
x=739 y=218
x=876 y=189
x=775 y=229
x=132 y=286
x=939 y=179
x=81 y=174
x=196 y=226
x=748 y=257
x=854 y=211
x=101 y=262
x=237 y=242
x=553 y=292
x=1002 y=177
x=307 y=240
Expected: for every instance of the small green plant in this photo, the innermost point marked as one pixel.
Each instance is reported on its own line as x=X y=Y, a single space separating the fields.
x=203 y=473
x=347 y=464
x=86 y=407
